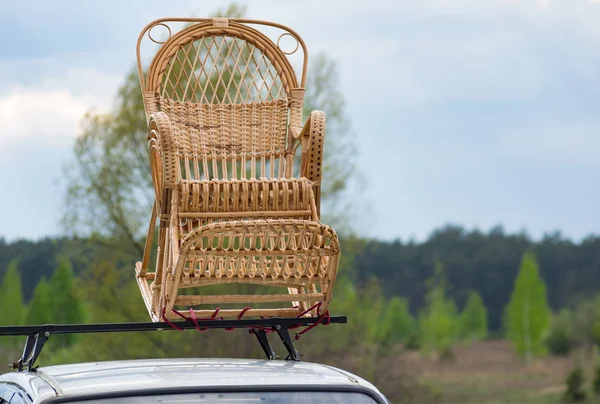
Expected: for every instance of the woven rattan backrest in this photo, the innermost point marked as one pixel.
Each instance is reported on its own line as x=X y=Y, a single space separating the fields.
x=231 y=94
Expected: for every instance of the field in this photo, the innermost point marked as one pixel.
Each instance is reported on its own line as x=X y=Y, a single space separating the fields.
x=482 y=372
x=491 y=372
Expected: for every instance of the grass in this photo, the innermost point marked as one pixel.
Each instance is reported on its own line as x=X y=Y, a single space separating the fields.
x=490 y=372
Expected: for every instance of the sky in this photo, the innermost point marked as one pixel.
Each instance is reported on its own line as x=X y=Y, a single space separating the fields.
x=469 y=112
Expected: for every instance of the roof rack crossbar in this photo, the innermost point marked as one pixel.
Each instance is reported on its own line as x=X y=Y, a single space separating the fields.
x=37 y=335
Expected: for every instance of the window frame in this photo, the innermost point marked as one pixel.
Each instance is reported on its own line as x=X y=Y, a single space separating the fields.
x=378 y=398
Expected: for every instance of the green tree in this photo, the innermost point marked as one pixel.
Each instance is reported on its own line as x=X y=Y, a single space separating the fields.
x=528 y=314
x=11 y=298
x=397 y=324
x=11 y=309
x=439 y=318
x=65 y=304
x=39 y=309
x=364 y=307
x=340 y=152
x=473 y=319
x=370 y=308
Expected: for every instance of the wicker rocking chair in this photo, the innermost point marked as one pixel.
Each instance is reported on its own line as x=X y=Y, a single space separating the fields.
x=224 y=110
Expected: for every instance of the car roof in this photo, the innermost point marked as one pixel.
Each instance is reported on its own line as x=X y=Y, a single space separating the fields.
x=143 y=374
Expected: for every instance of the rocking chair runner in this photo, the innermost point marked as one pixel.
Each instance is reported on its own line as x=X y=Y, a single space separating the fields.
x=224 y=111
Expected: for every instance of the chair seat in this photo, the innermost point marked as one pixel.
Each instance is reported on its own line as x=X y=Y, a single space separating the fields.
x=287 y=251
x=246 y=199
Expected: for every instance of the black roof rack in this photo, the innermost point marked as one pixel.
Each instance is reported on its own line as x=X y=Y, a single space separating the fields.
x=37 y=335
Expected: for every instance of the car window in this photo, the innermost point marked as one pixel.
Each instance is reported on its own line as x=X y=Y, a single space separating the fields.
x=11 y=394
x=6 y=393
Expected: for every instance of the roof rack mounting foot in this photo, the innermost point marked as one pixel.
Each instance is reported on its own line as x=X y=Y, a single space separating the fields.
x=27 y=349
x=40 y=340
x=31 y=351
x=261 y=336
x=284 y=334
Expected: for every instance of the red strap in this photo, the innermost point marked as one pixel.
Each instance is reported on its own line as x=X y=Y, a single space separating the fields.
x=239 y=317
x=195 y=320
x=314 y=306
x=166 y=320
x=193 y=317
x=323 y=320
x=179 y=314
x=319 y=321
x=310 y=327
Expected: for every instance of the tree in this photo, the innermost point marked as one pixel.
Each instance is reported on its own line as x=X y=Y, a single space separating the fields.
x=397 y=324
x=39 y=310
x=528 y=314
x=109 y=190
x=364 y=307
x=473 y=321
x=369 y=309
x=11 y=298
x=438 y=320
x=65 y=305
x=340 y=153
x=11 y=307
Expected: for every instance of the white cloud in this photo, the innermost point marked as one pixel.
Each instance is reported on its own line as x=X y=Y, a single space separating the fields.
x=53 y=108
x=31 y=113
x=96 y=87
x=544 y=4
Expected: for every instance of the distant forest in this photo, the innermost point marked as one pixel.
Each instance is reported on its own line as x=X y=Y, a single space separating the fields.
x=486 y=262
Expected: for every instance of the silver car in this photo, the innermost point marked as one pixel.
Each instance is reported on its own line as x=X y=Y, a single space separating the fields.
x=188 y=381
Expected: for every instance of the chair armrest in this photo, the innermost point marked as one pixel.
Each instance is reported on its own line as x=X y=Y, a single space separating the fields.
x=163 y=162
x=161 y=139
x=312 y=137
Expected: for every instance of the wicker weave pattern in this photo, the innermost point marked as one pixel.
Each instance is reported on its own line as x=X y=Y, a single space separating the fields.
x=258 y=249
x=221 y=69
x=209 y=130
x=267 y=197
x=205 y=202
x=224 y=108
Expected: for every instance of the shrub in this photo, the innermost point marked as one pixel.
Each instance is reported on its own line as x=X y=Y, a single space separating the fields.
x=596 y=383
x=559 y=340
x=575 y=392
x=447 y=355
x=412 y=343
